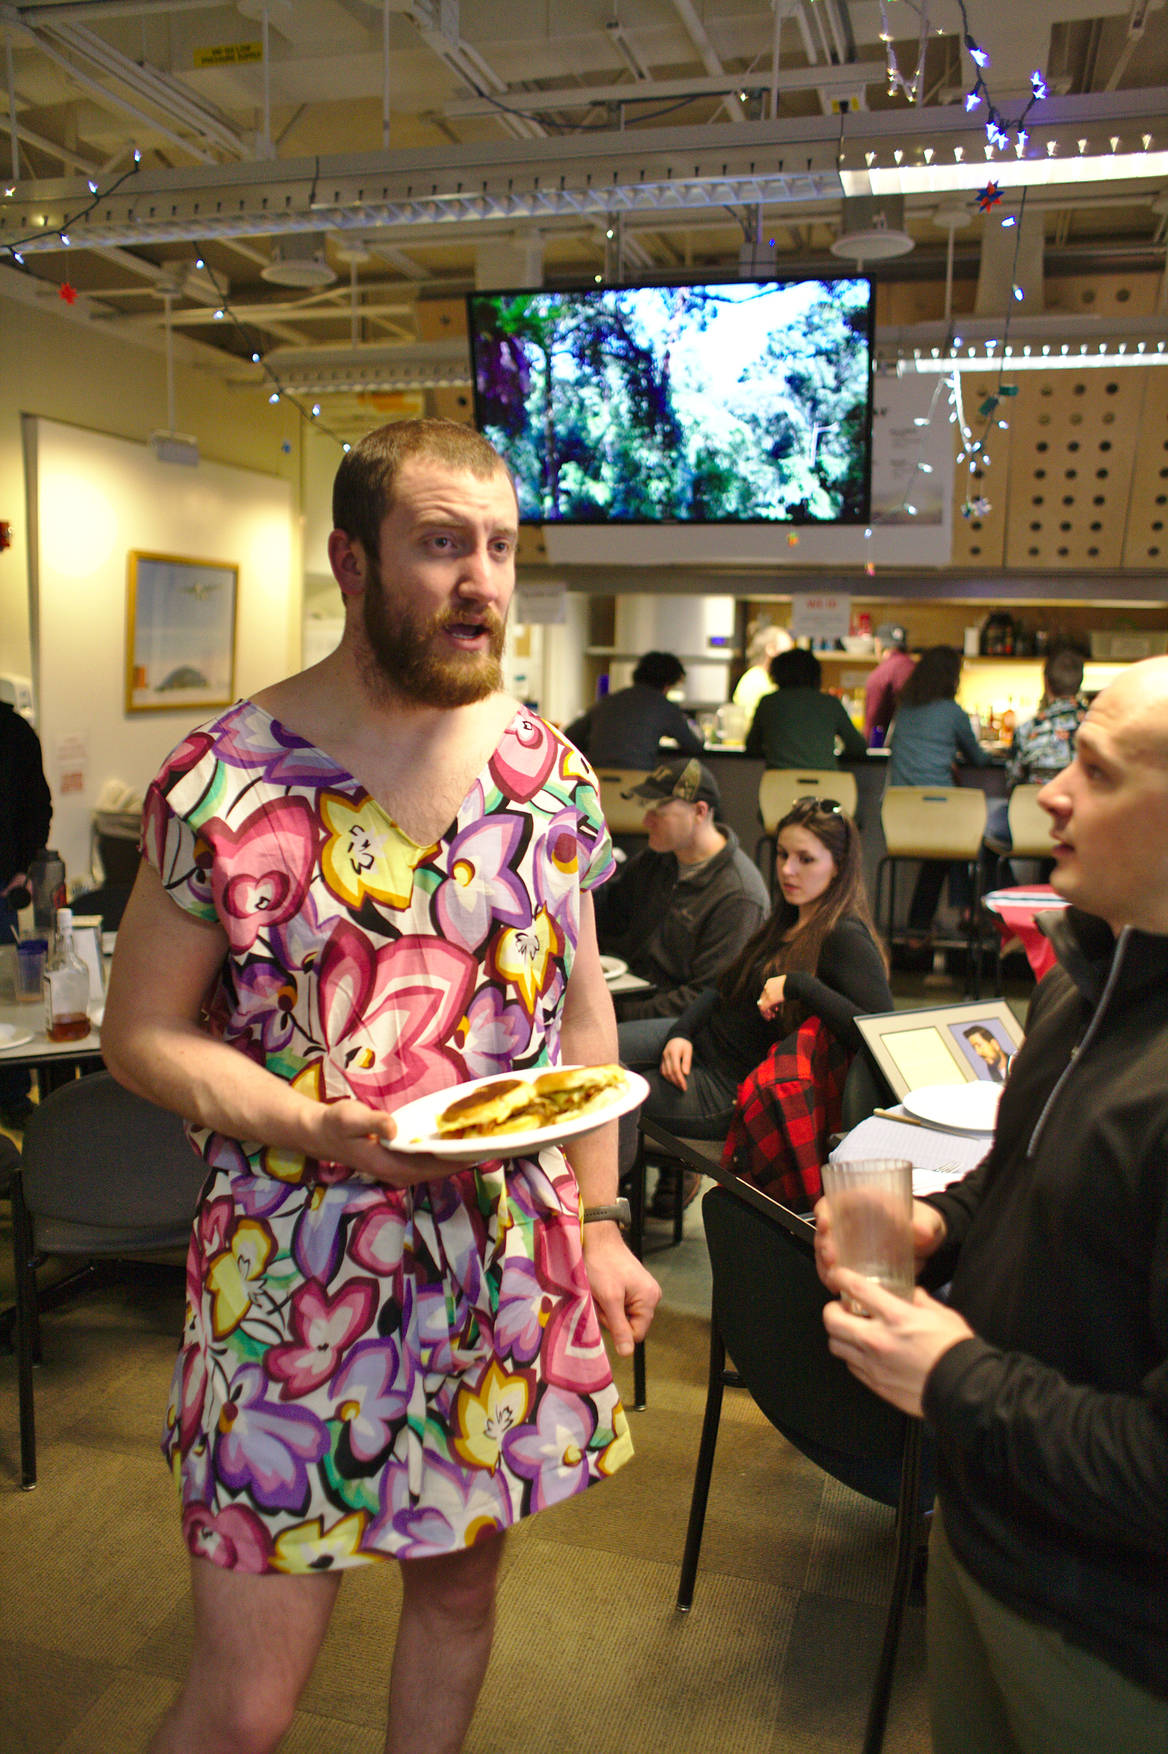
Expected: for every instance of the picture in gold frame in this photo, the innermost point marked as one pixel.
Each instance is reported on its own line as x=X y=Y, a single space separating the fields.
x=943 y=1044
x=180 y=633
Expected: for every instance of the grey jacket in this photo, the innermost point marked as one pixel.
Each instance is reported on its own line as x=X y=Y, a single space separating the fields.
x=679 y=931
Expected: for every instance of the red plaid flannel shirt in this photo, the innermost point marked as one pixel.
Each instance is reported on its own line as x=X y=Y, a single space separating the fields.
x=786 y=1110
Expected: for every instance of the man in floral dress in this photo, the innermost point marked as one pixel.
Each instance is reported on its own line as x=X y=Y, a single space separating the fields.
x=367 y=884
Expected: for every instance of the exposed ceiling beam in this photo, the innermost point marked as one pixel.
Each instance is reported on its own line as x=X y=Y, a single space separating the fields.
x=578 y=97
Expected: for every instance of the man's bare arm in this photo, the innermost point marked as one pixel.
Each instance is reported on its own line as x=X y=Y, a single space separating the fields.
x=626 y=1293
x=153 y=1042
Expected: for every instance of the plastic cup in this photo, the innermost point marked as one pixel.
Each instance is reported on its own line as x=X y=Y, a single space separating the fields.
x=30 y=968
x=871 y=1215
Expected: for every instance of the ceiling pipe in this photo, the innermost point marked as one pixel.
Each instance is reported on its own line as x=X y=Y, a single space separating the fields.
x=13 y=130
x=696 y=31
x=110 y=99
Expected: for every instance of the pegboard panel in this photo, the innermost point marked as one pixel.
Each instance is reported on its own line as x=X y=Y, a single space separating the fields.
x=440 y=318
x=1103 y=295
x=980 y=542
x=1075 y=436
x=455 y=403
x=1146 y=542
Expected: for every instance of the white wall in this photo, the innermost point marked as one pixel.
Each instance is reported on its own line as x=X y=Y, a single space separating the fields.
x=93 y=499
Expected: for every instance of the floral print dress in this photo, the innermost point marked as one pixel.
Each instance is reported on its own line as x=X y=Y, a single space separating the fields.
x=370 y=1372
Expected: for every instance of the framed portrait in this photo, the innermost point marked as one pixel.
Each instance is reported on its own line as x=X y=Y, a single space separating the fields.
x=947 y=1044
x=180 y=632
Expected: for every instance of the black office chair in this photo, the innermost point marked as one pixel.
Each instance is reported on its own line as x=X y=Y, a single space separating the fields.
x=767 y=1312
x=104 y=1174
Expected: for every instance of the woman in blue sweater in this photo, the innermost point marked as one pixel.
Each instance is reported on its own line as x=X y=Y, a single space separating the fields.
x=930 y=735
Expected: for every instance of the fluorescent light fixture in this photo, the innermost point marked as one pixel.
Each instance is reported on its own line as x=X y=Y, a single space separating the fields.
x=1025 y=173
x=1073 y=362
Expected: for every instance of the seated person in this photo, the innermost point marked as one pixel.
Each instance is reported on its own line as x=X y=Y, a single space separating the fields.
x=679 y=911
x=930 y=737
x=817 y=954
x=1045 y=744
x=797 y=725
x=624 y=729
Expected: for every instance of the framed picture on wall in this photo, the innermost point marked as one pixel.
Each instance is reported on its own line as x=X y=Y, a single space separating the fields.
x=180 y=632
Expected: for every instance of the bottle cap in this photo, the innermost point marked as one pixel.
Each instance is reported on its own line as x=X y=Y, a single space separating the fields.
x=64 y=919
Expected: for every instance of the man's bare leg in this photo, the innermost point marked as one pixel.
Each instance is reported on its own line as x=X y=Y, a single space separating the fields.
x=256 y=1639
x=443 y=1645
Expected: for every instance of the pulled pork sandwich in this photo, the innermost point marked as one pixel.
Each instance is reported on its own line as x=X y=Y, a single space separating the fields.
x=515 y=1105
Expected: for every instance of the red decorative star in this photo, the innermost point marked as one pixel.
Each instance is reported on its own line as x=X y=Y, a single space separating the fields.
x=68 y=293
x=987 y=197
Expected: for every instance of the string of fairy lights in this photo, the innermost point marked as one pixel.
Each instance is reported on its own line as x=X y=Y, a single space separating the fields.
x=223 y=312
x=1001 y=134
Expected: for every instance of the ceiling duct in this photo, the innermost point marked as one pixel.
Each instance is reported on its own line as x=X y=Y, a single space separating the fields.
x=872 y=228
x=299 y=261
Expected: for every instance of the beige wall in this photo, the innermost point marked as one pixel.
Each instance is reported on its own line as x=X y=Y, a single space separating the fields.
x=72 y=370
x=98 y=499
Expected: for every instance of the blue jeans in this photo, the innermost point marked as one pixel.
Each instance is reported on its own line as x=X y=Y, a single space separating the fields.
x=703 y=1109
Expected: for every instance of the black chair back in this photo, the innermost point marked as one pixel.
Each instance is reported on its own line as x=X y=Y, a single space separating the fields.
x=768 y=1303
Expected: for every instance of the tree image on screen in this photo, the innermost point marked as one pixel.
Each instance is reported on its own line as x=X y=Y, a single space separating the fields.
x=705 y=403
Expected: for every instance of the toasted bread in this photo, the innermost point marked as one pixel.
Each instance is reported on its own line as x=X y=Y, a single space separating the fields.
x=510 y=1105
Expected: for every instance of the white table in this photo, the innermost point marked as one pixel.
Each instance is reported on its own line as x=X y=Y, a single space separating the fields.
x=52 y=1061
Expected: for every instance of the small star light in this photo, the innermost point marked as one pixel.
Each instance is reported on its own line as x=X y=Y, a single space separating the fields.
x=975 y=508
x=988 y=197
x=68 y=293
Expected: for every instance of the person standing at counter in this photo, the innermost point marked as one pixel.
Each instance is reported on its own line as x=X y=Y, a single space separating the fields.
x=765 y=643
x=625 y=729
x=798 y=724
x=930 y=736
x=882 y=689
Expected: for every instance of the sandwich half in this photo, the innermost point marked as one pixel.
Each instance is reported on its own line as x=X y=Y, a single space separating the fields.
x=512 y=1105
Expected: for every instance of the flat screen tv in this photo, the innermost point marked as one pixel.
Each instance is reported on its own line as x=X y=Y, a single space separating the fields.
x=720 y=402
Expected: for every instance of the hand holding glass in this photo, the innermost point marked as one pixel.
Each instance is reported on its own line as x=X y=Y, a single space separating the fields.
x=871 y=1204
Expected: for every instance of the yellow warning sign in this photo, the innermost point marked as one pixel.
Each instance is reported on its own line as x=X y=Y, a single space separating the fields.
x=228 y=54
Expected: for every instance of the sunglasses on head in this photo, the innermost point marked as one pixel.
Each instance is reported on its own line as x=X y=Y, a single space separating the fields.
x=812 y=806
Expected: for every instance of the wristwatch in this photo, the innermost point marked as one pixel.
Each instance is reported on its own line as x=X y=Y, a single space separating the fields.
x=619 y=1210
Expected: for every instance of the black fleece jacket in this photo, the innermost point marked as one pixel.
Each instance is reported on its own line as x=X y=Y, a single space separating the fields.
x=1052 y=1424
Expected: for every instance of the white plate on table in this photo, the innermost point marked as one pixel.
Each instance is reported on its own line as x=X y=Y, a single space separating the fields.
x=11 y=1037
x=613 y=967
x=957 y=1108
x=415 y=1122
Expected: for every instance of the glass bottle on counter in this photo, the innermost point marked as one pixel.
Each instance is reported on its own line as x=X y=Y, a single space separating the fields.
x=66 y=986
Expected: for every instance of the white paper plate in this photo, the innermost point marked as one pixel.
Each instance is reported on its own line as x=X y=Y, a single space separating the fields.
x=415 y=1122
x=613 y=967
x=11 y=1037
x=958 y=1108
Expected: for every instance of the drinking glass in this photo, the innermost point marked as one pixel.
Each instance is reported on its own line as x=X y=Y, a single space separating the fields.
x=871 y=1213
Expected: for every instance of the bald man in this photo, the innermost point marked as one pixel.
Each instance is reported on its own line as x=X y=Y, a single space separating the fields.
x=1045 y=1375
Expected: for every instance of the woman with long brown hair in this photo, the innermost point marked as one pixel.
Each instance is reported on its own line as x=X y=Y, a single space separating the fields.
x=817 y=954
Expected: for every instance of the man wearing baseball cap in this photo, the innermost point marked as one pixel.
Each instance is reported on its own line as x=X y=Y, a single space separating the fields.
x=680 y=910
x=886 y=680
